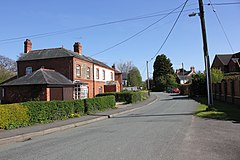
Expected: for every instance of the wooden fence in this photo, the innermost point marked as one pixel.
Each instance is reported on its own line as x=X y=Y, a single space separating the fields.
x=227 y=91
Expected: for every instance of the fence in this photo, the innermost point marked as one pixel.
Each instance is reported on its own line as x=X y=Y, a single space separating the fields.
x=227 y=91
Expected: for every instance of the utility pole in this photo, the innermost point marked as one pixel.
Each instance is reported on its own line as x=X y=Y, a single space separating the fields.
x=147 y=77
x=206 y=56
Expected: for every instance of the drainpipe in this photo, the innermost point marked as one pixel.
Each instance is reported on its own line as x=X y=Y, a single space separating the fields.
x=93 y=81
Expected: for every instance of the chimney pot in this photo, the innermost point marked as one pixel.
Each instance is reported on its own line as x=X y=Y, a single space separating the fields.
x=27 y=46
x=77 y=48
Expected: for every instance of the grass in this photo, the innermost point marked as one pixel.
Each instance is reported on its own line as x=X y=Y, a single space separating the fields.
x=220 y=110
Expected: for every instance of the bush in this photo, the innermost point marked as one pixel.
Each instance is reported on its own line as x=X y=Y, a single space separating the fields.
x=99 y=104
x=13 y=116
x=27 y=113
x=128 y=96
x=42 y=112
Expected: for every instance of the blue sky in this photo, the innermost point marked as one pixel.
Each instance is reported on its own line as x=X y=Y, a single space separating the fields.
x=25 y=18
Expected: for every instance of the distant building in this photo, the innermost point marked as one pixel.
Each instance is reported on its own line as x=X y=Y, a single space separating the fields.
x=185 y=77
x=59 y=74
x=227 y=62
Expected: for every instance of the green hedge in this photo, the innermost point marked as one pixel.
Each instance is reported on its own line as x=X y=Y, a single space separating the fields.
x=28 y=113
x=13 y=116
x=99 y=104
x=127 y=96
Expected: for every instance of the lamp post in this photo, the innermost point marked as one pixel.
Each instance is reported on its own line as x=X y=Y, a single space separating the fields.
x=205 y=49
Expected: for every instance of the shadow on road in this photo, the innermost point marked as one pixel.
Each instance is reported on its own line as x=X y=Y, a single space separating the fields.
x=176 y=98
x=156 y=115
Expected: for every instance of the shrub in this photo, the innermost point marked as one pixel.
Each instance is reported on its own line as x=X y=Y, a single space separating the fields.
x=128 y=96
x=13 y=116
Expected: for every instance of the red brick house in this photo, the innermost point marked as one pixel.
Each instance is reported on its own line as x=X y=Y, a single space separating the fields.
x=227 y=62
x=88 y=76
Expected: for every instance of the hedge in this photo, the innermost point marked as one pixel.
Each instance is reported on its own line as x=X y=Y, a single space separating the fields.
x=13 y=116
x=127 y=96
x=28 y=113
x=99 y=104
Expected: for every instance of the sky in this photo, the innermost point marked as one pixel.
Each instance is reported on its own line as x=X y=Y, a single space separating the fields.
x=64 y=21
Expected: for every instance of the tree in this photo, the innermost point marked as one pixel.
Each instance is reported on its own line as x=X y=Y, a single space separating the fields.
x=199 y=85
x=8 y=68
x=8 y=64
x=125 y=67
x=134 y=77
x=217 y=75
x=163 y=73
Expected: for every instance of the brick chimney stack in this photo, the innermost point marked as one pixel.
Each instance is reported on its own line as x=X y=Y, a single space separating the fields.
x=77 y=48
x=27 y=46
x=113 y=66
x=192 y=69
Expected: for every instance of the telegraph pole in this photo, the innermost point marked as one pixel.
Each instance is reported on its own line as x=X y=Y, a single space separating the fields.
x=206 y=56
x=147 y=77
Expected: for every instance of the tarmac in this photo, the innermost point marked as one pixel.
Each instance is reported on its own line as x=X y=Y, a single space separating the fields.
x=27 y=133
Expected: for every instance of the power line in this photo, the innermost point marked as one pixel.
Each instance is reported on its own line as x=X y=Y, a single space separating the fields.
x=170 y=31
x=136 y=34
x=226 y=3
x=221 y=26
x=47 y=34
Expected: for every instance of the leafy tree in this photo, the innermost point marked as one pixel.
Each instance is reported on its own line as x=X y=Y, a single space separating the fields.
x=8 y=68
x=134 y=77
x=163 y=73
x=199 y=85
x=217 y=75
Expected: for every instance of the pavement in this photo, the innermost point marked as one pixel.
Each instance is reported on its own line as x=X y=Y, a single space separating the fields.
x=27 y=133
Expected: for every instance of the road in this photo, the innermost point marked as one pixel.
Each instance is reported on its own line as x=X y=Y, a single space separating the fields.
x=155 y=131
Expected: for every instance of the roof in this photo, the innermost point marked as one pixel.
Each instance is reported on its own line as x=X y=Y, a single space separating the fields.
x=58 y=53
x=39 y=77
x=224 y=58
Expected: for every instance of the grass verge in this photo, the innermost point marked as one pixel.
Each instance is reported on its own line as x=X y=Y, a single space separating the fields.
x=220 y=110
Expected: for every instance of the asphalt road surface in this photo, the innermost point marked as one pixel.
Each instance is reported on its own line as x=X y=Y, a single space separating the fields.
x=153 y=132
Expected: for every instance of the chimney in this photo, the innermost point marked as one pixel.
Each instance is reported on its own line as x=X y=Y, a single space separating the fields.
x=113 y=66
x=192 y=69
x=27 y=46
x=77 y=48
x=177 y=71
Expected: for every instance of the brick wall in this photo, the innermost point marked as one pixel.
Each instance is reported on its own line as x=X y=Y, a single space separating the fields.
x=61 y=65
x=228 y=91
x=15 y=94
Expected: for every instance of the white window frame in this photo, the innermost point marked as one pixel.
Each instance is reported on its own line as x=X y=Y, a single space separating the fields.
x=78 y=70
x=28 y=70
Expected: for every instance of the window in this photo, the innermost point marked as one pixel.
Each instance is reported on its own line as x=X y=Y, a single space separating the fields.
x=2 y=92
x=78 y=71
x=103 y=74
x=77 y=91
x=111 y=76
x=80 y=91
x=88 y=73
x=97 y=73
x=28 y=70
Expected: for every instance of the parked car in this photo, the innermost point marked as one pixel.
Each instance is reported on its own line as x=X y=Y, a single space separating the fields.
x=175 y=90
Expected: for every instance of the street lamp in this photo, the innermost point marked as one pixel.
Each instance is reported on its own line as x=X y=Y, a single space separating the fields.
x=205 y=49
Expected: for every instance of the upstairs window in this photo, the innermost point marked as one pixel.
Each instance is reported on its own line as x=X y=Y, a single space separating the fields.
x=103 y=74
x=97 y=73
x=78 y=71
x=28 y=70
x=88 y=73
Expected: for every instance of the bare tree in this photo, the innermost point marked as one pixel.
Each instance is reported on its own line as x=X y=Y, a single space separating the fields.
x=8 y=68
x=8 y=64
x=125 y=67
